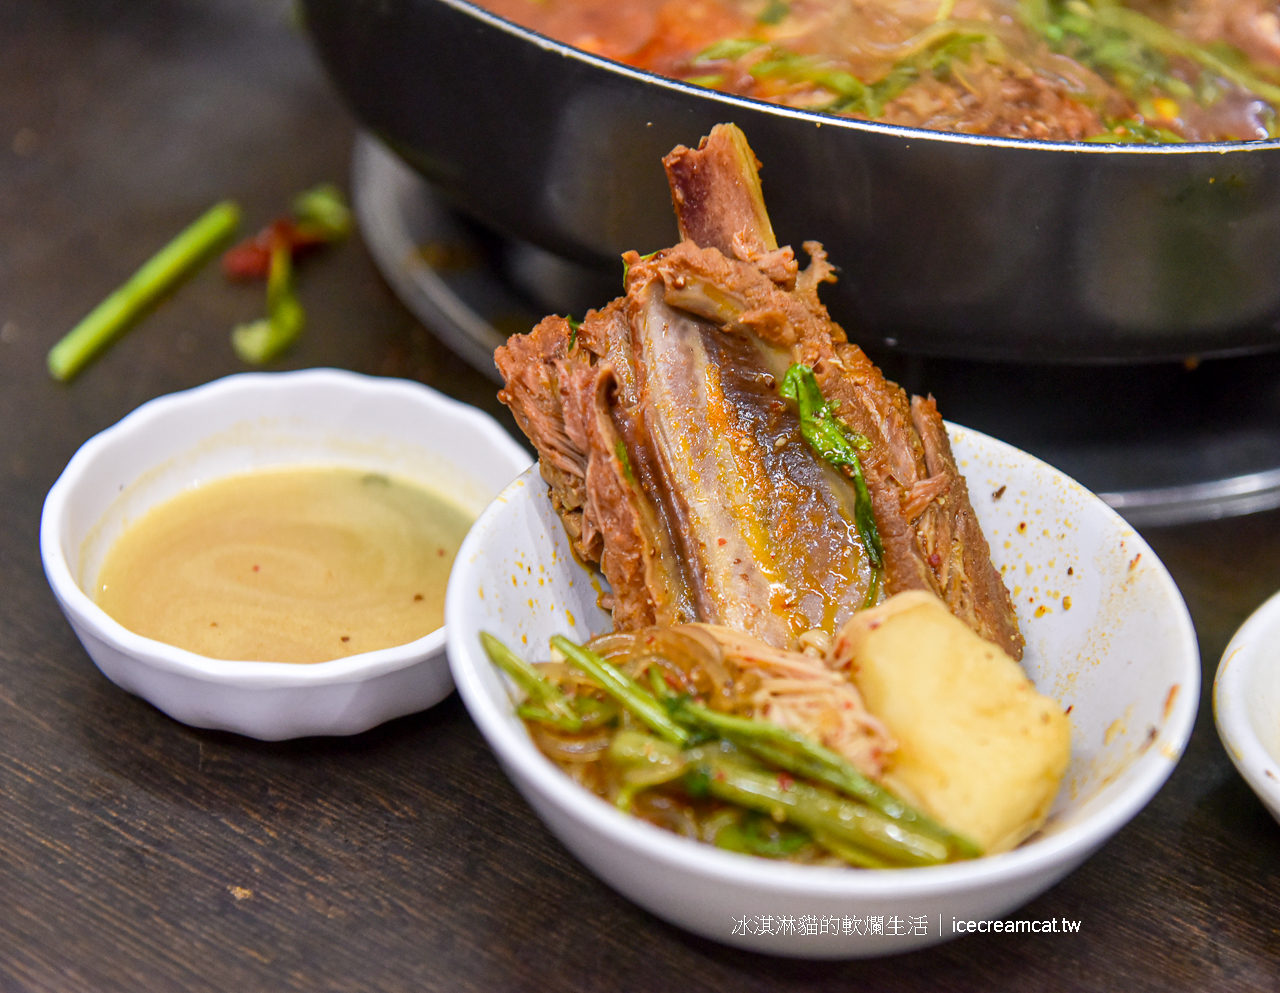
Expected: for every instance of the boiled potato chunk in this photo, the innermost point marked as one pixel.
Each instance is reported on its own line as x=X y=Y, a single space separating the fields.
x=978 y=747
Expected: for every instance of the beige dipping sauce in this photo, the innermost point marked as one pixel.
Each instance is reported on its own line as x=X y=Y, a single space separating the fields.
x=290 y=565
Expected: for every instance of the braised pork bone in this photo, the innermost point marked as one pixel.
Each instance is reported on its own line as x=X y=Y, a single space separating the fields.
x=680 y=470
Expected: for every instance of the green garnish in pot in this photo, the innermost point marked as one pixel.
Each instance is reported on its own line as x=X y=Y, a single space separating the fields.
x=1134 y=52
x=1133 y=132
x=932 y=50
x=774 y=12
x=730 y=49
x=158 y=275
x=838 y=445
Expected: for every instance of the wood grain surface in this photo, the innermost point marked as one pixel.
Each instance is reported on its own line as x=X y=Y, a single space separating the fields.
x=138 y=854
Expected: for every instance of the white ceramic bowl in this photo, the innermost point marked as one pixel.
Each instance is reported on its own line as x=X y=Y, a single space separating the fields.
x=1107 y=634
x=1246 y=702
x=234 y=425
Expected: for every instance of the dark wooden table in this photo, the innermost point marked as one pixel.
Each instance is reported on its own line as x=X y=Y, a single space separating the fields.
x=139 y=854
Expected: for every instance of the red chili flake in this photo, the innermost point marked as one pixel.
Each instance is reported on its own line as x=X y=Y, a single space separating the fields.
x=255 y=568
x=251 y=258
x=786 y=780
x=718 y=776
x=721 y=541
x=440 y=552
x=1070 y=708
x=935 y=560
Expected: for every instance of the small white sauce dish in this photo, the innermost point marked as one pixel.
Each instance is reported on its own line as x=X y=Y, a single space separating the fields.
x=1108 y=635
x=1246 y=702
x=319 y=417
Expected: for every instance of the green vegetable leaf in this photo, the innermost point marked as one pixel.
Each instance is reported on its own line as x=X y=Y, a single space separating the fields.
x=630 y=694
x=839 y=446
x=759 y=835
x=545 y=694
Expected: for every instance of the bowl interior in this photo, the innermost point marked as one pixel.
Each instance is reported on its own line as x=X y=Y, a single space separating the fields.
x=1263 y=700
x=1108 y=634
x=1247 y=701
x=254 y=421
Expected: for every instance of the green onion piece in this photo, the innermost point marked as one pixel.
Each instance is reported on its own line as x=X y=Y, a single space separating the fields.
x=538 y=688
x=323 y=210
x=264 y=339
x=159 y=274
x=838 y=445
x=622 y=688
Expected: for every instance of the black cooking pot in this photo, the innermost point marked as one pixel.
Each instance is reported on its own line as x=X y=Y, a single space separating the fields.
x=947 y=244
